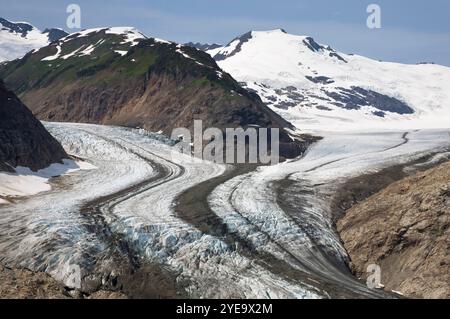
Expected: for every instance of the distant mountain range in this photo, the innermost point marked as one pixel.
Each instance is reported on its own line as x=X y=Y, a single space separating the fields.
x=18 y=38
x=315 y=86
x=204 y=46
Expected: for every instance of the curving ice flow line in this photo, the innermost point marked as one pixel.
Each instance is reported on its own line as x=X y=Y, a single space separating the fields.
x=211 y=266
x=280 y=212
x=121 y=217
x=47 y=232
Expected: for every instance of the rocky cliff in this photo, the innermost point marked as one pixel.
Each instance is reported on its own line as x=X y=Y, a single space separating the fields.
x=23 y=139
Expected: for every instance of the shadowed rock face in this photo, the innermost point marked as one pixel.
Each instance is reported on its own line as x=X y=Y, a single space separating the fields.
x=404 y=229
x=23 y=139
x=21 y=28
x=357 y=98
x=312 y=45
x=55 y=34
x=320 y=79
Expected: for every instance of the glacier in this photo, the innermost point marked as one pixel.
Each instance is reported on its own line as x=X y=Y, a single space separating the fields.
x=267 y=232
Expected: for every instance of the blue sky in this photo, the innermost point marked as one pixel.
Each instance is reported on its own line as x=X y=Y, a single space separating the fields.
x=412 y=31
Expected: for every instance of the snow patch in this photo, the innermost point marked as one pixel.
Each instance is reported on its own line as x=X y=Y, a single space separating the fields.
x=25 y=182
x=133 y=35
x=162 y=41
x=65 y=57
x=91 y=48
x=122 y=53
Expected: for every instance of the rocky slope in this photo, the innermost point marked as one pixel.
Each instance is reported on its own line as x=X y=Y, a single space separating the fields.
x=23 y=139
x=118 y=76
x=18 y=38
x=26 y=284
x=321 y=88
x=404 y=228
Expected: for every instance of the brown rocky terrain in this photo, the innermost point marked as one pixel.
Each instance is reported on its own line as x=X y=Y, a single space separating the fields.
x=404 y=228
x=23 y=139
x=25 y=284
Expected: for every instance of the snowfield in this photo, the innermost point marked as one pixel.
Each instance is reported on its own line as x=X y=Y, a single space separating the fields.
x=279 y=240
x=316 y=87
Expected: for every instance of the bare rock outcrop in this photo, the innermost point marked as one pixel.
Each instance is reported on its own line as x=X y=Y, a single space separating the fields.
x=25 y=284
x=23 y=139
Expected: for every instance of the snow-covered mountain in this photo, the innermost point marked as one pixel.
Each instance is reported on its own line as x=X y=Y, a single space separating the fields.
x=18 y=38
x=317 y=87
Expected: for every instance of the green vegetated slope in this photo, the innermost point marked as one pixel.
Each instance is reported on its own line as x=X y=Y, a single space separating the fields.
x=108 y=76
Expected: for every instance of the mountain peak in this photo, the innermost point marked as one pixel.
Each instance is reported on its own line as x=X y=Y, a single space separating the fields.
x=108 y=30
x=278 y=30
x=305 y=79
x=266 y=40
x=276 y=41
x=94 y=42
x=21 y=28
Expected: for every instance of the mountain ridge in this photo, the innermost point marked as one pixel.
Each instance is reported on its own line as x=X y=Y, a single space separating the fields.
x=119 y=76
